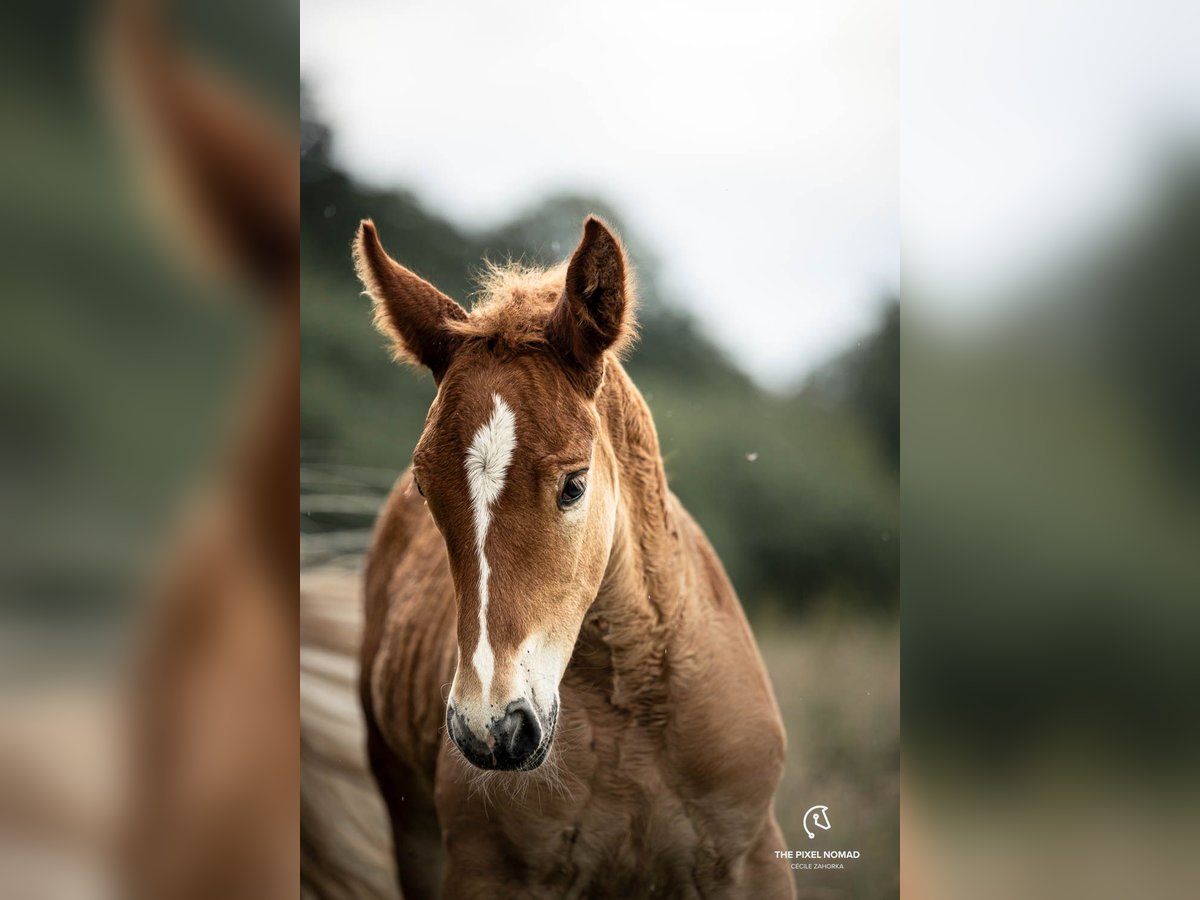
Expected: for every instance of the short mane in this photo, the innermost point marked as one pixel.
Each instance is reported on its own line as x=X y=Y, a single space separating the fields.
x=513 y=304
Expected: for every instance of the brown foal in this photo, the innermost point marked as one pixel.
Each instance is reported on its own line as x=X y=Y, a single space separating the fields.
x=609 y=728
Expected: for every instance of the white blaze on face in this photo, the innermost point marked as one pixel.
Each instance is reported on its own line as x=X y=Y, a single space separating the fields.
x=543 y=663
x=487 y=462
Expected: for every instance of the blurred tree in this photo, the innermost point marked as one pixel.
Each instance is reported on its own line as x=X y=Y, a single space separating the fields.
x=1051 y=468
x=866 y=380
x=1148 y=317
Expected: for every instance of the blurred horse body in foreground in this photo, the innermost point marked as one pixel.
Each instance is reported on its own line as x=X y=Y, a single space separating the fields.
x=213 y=807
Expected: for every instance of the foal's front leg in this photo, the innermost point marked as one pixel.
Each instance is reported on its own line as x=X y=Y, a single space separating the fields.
x=416 y=837
x=475 y=870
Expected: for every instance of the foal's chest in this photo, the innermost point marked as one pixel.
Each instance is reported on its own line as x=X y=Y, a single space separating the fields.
x=653 y=800
x=637 y=839
x=623 y=817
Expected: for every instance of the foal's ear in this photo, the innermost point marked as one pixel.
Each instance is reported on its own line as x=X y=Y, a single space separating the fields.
x=408 y=309
x=595 y=312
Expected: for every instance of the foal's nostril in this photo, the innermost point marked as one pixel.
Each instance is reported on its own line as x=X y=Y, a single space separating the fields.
x=519 y=732
x=510 y=742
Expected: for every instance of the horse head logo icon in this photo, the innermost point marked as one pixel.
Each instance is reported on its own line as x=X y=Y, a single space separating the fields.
x=818 y=817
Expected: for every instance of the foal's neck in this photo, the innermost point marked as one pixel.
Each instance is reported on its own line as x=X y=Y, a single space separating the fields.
x=626 y=638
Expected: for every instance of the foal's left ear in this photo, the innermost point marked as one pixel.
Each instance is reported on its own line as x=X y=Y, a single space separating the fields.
x=408 y=309
x=595 y=313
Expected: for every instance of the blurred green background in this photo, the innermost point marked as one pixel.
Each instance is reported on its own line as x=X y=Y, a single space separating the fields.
x=1052 y=568
x=1052 y=480
x=121 y=358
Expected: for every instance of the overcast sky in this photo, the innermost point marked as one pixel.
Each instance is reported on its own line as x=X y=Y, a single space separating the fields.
x=756 y=145
x=754 y=148
x=1029 y=129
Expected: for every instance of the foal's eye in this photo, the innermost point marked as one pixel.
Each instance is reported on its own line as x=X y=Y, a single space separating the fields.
x=417 y=485
x=572 y=489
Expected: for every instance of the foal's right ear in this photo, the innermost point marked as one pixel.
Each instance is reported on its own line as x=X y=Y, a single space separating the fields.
x=408 y=309
x=595 y=312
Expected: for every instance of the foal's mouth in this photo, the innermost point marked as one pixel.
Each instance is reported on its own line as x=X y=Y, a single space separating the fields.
x=509 y=745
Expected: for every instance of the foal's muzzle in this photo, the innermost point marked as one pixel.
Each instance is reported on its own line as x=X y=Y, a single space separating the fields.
x=516 y=741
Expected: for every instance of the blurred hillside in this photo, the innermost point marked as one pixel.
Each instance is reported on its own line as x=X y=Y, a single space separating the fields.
x=798 y=491
x=1051 y=482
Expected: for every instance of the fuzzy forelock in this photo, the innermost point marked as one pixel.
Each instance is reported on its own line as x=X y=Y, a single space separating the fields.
x=511 y=308
x=514 y=301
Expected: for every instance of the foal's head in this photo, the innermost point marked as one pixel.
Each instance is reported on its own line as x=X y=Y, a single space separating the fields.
x=515 y=471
